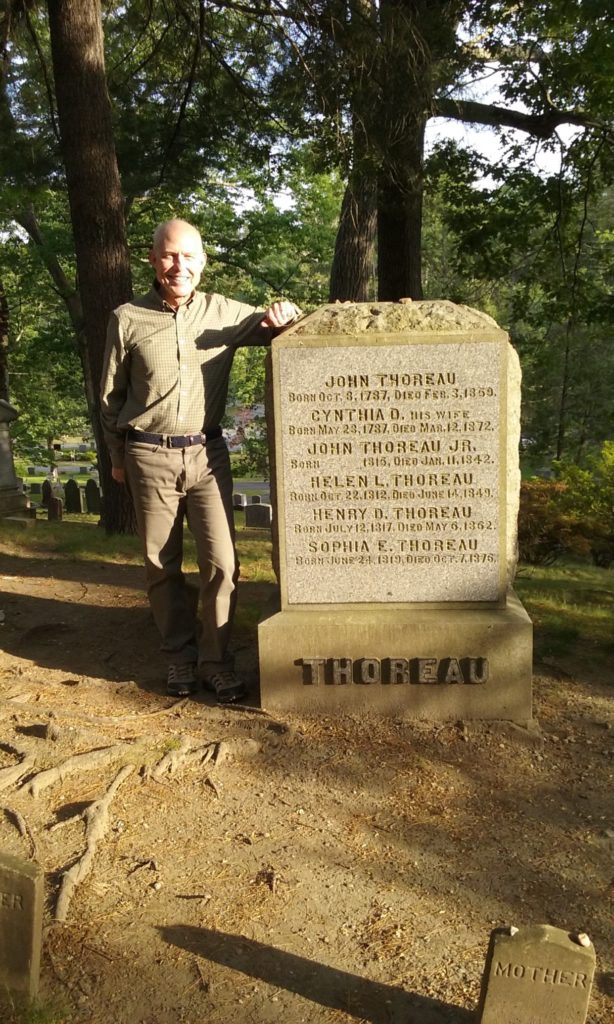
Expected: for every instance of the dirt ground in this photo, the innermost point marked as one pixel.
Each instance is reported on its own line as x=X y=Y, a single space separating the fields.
x=306 y=870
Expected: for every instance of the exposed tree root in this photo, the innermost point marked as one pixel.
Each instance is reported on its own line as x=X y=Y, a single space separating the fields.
x=22 y=827
x=12 y=774
x=96 y=823
x=78 y=763
x=132 y=717
x=184 y=755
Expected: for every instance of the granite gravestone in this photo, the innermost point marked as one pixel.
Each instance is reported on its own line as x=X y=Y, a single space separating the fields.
x=13 y=501
x=536 y=975
x=92 y=497
x=55 y=509
x=75 y=497
x=21 y=919
x=396 y=430
x=259 y=516
x=46 y=493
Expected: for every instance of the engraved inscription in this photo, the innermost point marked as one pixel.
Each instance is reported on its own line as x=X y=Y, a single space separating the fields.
x=11 y=900
x=391 y=477
x=541 y=975
x=394 y=671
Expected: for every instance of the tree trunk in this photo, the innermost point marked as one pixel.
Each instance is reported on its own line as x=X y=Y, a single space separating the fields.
x=399 y=225
x=4 y=344
x=352 y=268
x=409 y=33
x=96 y=204
x=564 y=391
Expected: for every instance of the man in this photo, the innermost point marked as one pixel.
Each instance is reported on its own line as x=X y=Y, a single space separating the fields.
x=163 y=395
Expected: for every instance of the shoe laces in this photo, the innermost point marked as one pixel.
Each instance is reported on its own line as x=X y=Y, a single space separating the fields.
x=181 y=673
x=223 y=677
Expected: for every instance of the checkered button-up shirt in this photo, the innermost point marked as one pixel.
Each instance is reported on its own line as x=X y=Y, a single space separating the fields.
x=166 y=370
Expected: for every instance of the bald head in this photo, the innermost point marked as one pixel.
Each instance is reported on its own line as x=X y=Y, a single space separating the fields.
x=178 y=259
x=169 y=228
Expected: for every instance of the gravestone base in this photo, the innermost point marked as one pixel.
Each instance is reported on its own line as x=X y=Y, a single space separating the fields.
x=24 y=522
x=13 y=502
x=429 y=663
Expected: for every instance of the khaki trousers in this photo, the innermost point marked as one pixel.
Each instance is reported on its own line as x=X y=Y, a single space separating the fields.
x=167 y=486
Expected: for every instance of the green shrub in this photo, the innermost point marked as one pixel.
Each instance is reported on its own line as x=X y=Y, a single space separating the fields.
x=546 y=530
x=573 y=514
x=588 y=496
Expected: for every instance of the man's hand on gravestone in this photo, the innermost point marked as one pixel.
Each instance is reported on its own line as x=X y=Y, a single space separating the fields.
x=280 y=314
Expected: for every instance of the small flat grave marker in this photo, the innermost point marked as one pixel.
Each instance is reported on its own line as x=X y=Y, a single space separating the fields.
x=55 y=509
x=536 y=975
x=21 y=922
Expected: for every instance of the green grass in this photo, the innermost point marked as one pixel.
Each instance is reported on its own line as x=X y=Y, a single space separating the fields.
x=571 y=603
x=572 y=608
x=79 y=538
x=16 y=1010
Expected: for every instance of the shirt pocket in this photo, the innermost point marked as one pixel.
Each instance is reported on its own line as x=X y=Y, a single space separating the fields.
x=154 y=368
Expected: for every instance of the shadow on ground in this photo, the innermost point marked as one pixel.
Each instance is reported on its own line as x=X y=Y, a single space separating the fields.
x=327 y=986
x=93 y=619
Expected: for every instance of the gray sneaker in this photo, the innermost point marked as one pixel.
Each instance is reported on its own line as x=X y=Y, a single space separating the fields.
x=181 y=680
x=225 y=685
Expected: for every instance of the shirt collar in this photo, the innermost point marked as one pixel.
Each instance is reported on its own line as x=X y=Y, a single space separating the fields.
x=163 y=304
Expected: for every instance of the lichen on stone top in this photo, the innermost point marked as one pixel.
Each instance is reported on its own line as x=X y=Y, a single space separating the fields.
x=393 y=318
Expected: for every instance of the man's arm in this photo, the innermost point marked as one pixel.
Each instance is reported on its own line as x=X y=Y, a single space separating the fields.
x=113 y=392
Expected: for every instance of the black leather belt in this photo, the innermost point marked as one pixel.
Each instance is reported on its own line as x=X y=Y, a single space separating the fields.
x=175 y=440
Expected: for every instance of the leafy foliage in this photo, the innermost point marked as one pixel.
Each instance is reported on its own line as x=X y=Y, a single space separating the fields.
x=589 y=494
x=572 y=514
x=545 y=531
x=45 y=376
x=535 y=253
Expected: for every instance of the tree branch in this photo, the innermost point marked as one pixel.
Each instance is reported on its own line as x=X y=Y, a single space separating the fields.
x=45 y=73
x=198 y=45
x=542 y=126
x=27 y=220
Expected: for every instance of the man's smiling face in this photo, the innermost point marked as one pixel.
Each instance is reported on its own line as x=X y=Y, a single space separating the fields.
x=178 y=260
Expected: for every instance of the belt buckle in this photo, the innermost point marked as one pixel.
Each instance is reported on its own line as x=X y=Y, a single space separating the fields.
x=167 y=440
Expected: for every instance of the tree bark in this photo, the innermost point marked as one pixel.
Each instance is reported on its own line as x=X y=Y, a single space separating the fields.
x=353 y=264
x=96 y=204
x=411 y=35
x=393 y=70
x=4 y=344
x=352 y=269
x=399 y=225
